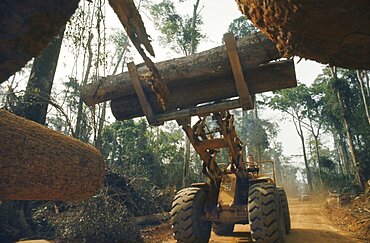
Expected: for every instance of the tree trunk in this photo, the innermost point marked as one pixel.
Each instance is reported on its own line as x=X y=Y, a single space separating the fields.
x=84 y=81
x=243 y=133
x=344 y=151
x=367 y=84
x=98 y=142
x=114 y=147
x=209 y=65
x=352 y=149
x=37 y=96
x=278 y=167
x=339 y=155
x=193 y=44
x=363 y=95
x=193 y=25
x=41 y=164
x=186 y=165
x=356 y=164
x=308 y=171
x=318 y=156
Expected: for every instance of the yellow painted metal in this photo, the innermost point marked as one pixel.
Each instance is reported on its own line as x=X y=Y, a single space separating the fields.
x=226 y=195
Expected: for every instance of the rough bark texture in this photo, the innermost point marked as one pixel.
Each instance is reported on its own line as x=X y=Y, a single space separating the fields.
x=26 y=28
x=331 y=31
x=38 y=163
x=40 y=82
x=207 y=65
x=189 y=77
x=271 y=77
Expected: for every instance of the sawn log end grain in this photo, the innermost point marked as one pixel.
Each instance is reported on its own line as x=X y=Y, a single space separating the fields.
x=38 y=163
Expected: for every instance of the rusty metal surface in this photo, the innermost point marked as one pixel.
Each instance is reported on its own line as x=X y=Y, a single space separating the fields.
x=241 y=85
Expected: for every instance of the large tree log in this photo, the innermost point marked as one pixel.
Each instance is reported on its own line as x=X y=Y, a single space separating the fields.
x=38 y=163
x=330 y=31
x=274 y=76
x=208 y=65
x=26 y=28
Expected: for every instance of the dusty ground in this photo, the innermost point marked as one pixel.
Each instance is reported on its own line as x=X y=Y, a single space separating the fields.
x=353 y=216
x=309 y=224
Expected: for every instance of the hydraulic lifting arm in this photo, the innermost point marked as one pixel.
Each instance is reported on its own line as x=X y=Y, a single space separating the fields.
x=207 y=142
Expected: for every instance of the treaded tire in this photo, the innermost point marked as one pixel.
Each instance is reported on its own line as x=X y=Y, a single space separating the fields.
x=186 y=212
x=264 y=216
x=284 y=202
x=223 y=229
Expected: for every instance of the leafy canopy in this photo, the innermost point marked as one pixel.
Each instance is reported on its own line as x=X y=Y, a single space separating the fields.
x=242 y=27
x=177 y=29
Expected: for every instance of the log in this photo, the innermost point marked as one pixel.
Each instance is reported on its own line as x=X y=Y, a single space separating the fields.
x=208 y=65
x=38 y=163
x=274 y=76
x=330 y=31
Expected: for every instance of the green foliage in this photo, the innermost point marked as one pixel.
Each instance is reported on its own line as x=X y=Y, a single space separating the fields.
x=292 y=101
x=255 y=133
x=256 y=136
x=132 y=150
x=121 y=46
x=242 y=27
x=326 y=162
x=318 y=107
x=119 y=39
x=177 y=30
x=347 y=87
x=154 y=154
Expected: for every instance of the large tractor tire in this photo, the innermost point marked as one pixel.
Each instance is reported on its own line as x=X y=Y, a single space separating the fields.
x=186 y=216
x=223 y=229
x=285 y=206
x=264 y=214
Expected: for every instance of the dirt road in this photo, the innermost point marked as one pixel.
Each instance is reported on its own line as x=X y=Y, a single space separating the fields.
x=309 y=224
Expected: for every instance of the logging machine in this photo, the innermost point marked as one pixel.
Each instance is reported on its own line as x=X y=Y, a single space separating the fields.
x=237 y=191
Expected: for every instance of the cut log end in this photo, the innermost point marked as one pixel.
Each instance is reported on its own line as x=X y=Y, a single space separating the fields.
x=38 y=163
x=324 y=31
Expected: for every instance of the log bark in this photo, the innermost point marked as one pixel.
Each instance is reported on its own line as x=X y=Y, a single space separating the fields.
x=331 y=31
x=208 y=65
x=26 y=28
x=38 y=163
x=274 y=76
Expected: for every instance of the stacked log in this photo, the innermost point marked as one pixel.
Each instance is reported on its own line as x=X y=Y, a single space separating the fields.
x=38 y=163
x=271 y=77
x=199 y=78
